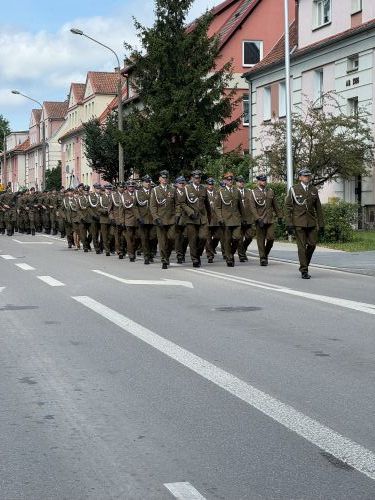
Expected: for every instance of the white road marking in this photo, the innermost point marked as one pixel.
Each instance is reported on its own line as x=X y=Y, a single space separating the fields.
x=2 y=288
x=8 y=257
x=34 y=242
x=313 y=431
x=63 y=240
x=348 y=304
x=25 y=267
x=164 y=282
x=184 y=491
x=50 y=281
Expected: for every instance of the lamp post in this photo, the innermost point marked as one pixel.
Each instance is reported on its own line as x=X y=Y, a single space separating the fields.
x=43 y=182
x=3 y=170
x=289 y=159
x=77 y=31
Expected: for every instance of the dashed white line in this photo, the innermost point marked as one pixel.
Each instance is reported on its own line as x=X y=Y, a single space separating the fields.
x=34 y=242
x=8 y=257
x=50 y=281
x=313 y=431
x=184 y=491
x=25 y=267
x=348 y=304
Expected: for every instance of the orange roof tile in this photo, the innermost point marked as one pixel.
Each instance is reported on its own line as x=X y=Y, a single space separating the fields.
x=55 y=110
x=78 y=90
x=103 y=82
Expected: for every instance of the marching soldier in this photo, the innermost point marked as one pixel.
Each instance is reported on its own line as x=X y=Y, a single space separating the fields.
x=67 y=215
x=215 y=231
x=181 y=239
x=197 y=210
x=94 y=202
x=144 y=218
x=85 y=218
x=247 y=223
x=163 y=211
x=264 y=206
x=60 y=212
x=116 y=218
x=230 y=213
x=53 y=205
x=105 y=227
x=304 y=216
x=31 y=208
x=129 y=219
x=10 y=214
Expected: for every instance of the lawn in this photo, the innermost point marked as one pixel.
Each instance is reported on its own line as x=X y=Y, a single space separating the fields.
x=363 y=241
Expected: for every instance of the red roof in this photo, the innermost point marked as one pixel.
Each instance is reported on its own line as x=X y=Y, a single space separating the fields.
x=103 y=82
x=236 y=19
x=24 y=145
x=55 y=110
x=78 y=90
x=277 y=54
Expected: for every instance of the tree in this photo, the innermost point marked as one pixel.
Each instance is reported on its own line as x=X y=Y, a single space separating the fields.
x=101 y=146
x=233 y=161
x=185 y=111
x=331 y=143
x=53 y=177
x=4 y=128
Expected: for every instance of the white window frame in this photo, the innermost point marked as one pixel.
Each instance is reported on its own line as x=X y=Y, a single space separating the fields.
x=318 y=13
x=318 y=87
x=356 y=6
x=282 y=99
x=352 y=63
x=246 y=99
x=243 y=52
x=267 y=104
x=353 y=106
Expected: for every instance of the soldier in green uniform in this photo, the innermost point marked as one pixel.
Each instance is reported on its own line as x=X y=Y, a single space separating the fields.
x=264 y=205
x=304 y=216
x=94 y=202
x=144 y=218
x=67 y=214
x=215 y=232
x=10 y=215
x=105 y=223
x=115 y=216
x=230 y=213
x=181 y=239
x=247 y=223
x=129 y=219
x=197 y=210
x=85 y=218
x=163 y=211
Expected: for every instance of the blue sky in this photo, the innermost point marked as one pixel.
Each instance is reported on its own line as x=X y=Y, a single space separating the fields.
x=40 y=57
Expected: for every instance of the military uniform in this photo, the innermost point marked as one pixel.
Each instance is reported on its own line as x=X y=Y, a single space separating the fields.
x=304 y=213
x=247 y=224
x=130 y=223
x=94 y=200
x=85 y=220
x=105 y=223
x=264 y=206
x=181 y=238
x=230 y=213
x=144 y=219
x=215 y=232
x=116 y=219
x=163 y=211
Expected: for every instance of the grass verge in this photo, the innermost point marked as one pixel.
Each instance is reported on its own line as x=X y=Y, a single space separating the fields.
x=363 y=241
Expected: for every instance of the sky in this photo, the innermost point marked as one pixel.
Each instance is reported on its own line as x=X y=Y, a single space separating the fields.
x=40 y=57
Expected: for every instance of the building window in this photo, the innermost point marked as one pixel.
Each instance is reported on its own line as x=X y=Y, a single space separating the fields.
x=318 y=88
x=252 y=52
x=322 y=12
x=356 y=6
x=246 y=109
x=353 y=63
x=353 y=106
x=266 y=103
x=282 y=99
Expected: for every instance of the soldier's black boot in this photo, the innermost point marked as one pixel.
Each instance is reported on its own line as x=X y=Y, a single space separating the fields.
x=164 y=265
x=33 y=232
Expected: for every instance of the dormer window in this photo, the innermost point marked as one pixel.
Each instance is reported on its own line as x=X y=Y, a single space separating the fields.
x=322 y=12
x=252 y=52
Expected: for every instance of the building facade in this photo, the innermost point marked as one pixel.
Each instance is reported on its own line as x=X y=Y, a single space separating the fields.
x=332 y=46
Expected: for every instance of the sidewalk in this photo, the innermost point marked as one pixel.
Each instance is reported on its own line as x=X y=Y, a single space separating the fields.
x=354 y=262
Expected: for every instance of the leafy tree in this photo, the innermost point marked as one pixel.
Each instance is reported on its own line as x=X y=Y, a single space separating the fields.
x=331 y=143
x=233 y=161
x=4 y=128
x=185 y=111
x=53 y=177
x=101 y=146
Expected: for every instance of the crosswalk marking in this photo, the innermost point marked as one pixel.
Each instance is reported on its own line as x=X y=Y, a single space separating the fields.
x=50 y=281
x=347 y=451
x=184 y=491
x=25 y=267
x=8 y=257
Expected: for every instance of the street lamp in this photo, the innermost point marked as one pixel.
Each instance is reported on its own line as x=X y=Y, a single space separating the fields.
x=3 y=170
x=289 y=158
x=43 y=182
x=77 y=31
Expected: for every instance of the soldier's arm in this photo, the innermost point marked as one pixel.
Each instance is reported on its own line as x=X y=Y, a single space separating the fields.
x=154 y=207
x=253 y=207
x=276 y=207
x=289 y=209
x=218 y=208
x=319 y=212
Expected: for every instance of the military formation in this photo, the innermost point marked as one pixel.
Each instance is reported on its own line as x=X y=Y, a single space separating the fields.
x=139 y=217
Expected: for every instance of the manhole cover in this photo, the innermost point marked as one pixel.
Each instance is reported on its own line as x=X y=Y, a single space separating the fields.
x=238 y=309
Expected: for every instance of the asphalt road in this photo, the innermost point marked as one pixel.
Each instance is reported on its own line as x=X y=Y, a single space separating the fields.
x=243 y=383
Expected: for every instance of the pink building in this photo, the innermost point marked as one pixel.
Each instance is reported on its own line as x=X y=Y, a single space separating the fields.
x=13 y=171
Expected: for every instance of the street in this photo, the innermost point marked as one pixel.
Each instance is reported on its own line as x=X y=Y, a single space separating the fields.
x=125 y=381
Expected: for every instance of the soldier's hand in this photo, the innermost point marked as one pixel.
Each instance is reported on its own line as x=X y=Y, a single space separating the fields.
x=194 y=216
x=260 y=223
x=140 y=221
x=113 y=222
x=321 y=232
x=177 y=220
x=158 y=222
x=290 y=230
x=221 y=222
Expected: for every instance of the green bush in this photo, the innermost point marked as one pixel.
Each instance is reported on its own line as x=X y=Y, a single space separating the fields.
x=339 y=220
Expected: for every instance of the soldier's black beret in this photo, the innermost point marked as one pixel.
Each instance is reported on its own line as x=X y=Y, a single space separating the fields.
x=261 y=177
